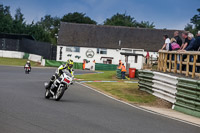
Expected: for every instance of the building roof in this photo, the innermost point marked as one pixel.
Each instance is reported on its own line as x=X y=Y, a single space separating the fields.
x=16 y=36
x=113 y=37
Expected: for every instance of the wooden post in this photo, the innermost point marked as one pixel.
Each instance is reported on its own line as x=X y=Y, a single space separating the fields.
x=194 y=66
x=181 y=61
x=175 y=63
x=187 y=66
x=170 y=62
x=158 y=68
x=165 y=63
x=162 y=61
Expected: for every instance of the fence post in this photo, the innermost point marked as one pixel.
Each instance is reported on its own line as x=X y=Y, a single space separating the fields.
x=187 y=65
x=165 y=62
x=158 y=68
x=194 y=66
x=175 y=63
x=170 y=62
x=181 y=61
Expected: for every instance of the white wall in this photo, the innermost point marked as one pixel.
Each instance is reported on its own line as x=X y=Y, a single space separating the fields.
x=11 y=54
x=20 y=55
x=114 y=53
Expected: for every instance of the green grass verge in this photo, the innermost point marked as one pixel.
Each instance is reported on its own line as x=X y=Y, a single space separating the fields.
x=125 y=91
x=106 y=75
x=16 y=62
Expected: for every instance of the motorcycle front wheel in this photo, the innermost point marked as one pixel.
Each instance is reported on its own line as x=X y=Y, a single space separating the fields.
x=59 y=93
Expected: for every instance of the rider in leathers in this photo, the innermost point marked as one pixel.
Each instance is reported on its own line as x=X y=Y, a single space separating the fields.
x=68 y=66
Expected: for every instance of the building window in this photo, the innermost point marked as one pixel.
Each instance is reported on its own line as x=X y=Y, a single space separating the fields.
x=73 y=49
x=101 y=51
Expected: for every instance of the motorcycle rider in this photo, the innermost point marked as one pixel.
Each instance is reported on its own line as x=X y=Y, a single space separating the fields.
x=27 y=64
x=68 y=66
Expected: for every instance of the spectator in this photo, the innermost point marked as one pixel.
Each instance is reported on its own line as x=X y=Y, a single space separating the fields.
x=191 y=46
x=177 y=37
x=197 y=42
x=197 y=46
x=167 y=42
x=186 y=42
x=174 y=45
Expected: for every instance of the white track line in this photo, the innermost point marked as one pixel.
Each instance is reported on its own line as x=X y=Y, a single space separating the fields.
x=140 y=108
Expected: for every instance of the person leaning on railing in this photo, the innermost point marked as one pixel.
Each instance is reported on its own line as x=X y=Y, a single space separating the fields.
x=197 y=46
x=194 y=45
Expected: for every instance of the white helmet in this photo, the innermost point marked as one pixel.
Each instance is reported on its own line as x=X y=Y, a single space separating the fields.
x=28 y=61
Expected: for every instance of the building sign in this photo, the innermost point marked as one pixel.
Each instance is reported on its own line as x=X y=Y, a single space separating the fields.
x=60 y=57
x=90 y=53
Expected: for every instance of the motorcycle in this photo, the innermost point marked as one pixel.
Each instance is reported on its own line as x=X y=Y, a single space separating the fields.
x=59 y=86
x=27 y=69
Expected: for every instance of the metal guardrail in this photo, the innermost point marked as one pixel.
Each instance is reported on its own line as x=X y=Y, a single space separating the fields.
x=183 y=93
x=173 y=61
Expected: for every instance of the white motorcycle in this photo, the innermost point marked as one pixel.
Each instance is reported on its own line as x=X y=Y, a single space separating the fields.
x=57 y=89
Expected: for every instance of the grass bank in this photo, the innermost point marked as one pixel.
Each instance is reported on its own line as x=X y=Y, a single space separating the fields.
x=16 y=62
x=125 y=91
x=128 y=92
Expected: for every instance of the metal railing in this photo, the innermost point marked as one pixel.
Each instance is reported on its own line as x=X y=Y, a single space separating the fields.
x=179 y=62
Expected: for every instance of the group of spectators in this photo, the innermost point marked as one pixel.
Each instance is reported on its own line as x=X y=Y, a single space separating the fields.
x=190 y=42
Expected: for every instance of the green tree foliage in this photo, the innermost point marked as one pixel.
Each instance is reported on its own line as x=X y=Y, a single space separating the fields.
x=121 y=20
x=195 y=26
x=126 y=20
x=19 y=25
x=6 y=20
x=145 y=24
x=77 y=17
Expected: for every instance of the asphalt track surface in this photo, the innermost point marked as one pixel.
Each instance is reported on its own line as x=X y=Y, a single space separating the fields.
x=23 y=109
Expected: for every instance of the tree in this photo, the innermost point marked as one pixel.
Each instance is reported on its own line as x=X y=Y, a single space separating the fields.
x=77 y=17
x=195 y=26
x=126 y=20
x=50 y=25
x=121 y=20
x=18 y=23
x=6 y=20
x=145 y=24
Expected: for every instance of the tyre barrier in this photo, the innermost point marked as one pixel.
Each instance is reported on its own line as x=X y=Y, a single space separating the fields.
x=183 y=93
x=188 y=97
x=118 y=73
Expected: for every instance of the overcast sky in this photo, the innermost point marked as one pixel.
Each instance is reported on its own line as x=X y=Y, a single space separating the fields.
x=170 y=14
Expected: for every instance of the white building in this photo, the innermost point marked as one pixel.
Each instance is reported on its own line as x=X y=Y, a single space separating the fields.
x=106 y=44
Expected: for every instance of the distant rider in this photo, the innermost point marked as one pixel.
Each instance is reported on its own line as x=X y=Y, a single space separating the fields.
x=28 y=64
x=68 y=66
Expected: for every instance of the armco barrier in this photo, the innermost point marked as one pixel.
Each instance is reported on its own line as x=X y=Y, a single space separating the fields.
x=183 y=93
x=145 y=81
x=159 y=84
x=188 y=97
